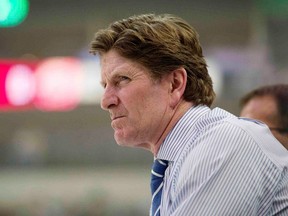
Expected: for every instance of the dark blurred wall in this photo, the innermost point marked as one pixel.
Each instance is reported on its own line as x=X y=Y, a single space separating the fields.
x=66 y=27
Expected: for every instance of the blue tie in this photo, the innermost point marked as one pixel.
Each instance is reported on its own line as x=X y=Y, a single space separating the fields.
x=157 y=175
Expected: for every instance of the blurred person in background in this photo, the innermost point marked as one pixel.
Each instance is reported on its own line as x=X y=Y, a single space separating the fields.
x=269 y=104
x=158 y=93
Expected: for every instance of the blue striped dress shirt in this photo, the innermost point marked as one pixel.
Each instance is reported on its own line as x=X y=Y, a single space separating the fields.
x=220 y=164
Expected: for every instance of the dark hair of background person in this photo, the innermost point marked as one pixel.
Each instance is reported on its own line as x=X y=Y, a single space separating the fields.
x=280 y=93
x=162 y=44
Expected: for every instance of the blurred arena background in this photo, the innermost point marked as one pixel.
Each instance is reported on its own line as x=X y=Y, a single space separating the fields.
x=58 y=156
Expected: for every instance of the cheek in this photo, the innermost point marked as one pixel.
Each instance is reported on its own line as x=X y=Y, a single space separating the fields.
x=145 y=104
x=150 y=105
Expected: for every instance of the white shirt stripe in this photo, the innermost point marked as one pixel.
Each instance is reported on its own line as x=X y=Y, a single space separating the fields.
x=223 y=165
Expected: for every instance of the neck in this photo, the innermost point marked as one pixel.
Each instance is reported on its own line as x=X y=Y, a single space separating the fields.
x=179 y=111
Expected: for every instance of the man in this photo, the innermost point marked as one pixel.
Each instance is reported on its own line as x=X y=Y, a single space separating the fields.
x=269 y=104
x=158 y=92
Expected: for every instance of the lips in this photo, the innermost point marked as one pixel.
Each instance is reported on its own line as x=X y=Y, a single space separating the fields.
x=116 y=122
x=115 y=117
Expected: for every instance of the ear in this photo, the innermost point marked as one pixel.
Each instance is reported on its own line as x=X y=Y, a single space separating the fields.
x=178 y=80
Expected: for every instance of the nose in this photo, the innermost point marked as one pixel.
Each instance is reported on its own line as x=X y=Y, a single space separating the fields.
x=109 y=98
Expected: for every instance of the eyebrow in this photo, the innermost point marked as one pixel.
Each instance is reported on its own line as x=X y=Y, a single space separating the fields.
x=119 y=71
x=114 y=76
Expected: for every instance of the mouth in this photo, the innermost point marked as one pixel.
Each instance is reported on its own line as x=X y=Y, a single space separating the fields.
x=116 y=117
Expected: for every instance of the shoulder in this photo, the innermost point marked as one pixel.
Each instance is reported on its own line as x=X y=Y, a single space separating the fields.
x=220 y=132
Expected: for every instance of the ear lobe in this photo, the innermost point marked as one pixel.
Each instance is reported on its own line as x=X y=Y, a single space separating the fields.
x=178 y=85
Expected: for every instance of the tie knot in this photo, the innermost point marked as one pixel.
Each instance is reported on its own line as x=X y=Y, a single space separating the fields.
x=159 y=167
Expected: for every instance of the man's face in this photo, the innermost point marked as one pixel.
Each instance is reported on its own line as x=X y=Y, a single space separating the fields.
x=264 y=108
x=138 y=105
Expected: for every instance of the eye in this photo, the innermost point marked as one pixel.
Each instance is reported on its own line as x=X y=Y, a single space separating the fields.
x=122 y=80
x=103 y=84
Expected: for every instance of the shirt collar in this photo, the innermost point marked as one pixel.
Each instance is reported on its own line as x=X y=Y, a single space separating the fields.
x=178 y=137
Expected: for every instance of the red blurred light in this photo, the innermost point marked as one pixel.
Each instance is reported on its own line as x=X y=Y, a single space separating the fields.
x=54 y=84
x=20 y=85
x=17 y=86
x=58 y=84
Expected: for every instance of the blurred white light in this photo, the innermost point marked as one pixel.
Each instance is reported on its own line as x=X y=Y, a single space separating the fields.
x=92 y=90
x=216 y=76
x=20 y=85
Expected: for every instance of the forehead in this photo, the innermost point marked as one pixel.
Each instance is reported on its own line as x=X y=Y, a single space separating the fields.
x=260 y=107
x=113 y=63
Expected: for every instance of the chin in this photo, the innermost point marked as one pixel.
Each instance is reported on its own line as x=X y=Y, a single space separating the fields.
x=124 y=142
x=120 y=140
